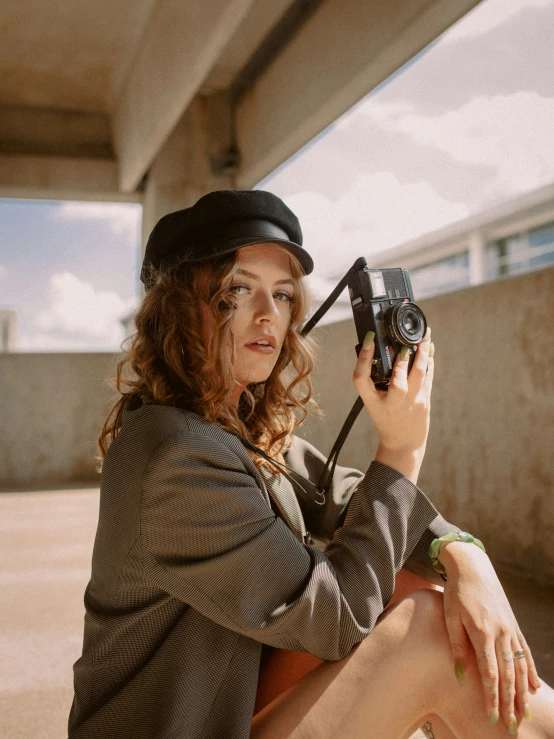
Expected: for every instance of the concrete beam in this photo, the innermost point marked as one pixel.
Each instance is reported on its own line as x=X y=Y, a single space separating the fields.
x=189 y=163
x=182 y=44
x=55 y=133
x=340 y=54
x=60 y=178
x=259 y=22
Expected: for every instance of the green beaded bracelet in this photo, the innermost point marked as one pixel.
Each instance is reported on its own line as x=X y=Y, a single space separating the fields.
x=438 y=544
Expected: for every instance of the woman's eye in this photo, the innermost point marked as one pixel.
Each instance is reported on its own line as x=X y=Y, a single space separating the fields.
x=288 y=297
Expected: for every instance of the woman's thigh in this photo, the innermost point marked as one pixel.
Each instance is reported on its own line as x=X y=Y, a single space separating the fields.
x=285 y=667
x=373 y=687
x=407 y=582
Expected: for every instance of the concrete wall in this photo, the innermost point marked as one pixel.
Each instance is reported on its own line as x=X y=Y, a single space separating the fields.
x=488 y=466
x=52 y=408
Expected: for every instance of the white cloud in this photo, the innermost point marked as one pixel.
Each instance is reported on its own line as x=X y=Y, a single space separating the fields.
x=488 y=15
x=509 y=133
x=123 y=219
x=78 y=317
x=375 y=214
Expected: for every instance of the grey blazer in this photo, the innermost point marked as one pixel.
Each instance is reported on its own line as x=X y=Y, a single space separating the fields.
x=193 y=571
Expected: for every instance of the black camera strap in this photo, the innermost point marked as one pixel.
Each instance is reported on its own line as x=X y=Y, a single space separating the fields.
x=317 y=492
x=312 y=493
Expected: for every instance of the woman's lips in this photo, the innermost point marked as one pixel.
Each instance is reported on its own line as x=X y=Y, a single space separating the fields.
x=260 y=349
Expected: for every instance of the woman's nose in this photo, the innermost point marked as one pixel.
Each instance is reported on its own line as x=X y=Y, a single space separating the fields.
x=267 y=305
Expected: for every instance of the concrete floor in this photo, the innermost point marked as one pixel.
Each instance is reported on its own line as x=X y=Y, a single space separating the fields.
x=45 y=547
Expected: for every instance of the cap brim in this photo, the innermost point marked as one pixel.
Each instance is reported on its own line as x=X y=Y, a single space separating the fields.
x=233 y=244
x=301 y=254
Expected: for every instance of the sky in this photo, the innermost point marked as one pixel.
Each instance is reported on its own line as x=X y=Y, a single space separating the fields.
x=465 y=125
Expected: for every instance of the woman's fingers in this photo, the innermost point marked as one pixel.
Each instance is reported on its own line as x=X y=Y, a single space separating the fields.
x=420 y=375
x=532 y=674
x=505 y=681
x=521 y=681
x=399 y=377
x=488 y=669
x=362 y=375
x=428 y=384
x=418 y=372
x=507 y=689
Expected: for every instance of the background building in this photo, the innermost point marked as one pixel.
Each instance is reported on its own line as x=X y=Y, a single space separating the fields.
x=8 y=324
x=514 y=237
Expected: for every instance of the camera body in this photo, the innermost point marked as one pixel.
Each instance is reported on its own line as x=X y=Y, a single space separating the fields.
x=383 y=302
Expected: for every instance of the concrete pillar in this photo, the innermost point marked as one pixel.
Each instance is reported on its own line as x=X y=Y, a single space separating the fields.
x=197 y=157
x=476 y=258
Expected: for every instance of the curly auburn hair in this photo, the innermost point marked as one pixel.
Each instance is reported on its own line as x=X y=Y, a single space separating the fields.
x=172 y=366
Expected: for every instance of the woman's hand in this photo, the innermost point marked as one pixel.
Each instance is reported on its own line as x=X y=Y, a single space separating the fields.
x=401 y=413
x=479 y=616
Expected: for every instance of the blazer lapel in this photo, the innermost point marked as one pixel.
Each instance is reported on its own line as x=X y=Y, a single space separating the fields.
x=284 y=497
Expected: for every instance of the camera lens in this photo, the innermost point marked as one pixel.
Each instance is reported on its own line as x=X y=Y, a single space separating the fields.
x=406 y=323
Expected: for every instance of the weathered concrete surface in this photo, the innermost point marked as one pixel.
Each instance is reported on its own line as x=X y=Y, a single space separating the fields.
x=60 y=178
x=46 y=541
x=137 y=66
x=489 y=465
x=72 y=56
x=50 y=132
x=45 y=548
x=52 y=408
x=160 y=87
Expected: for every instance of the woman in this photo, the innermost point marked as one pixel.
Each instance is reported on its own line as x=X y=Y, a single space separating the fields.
x=210 y=613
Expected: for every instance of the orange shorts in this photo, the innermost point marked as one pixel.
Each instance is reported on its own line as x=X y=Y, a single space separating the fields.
x=284 y=667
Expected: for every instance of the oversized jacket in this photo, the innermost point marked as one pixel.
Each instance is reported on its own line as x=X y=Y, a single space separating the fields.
x=194 y=569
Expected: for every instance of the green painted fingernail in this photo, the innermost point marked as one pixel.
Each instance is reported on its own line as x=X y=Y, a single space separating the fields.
x=527 y=712
x=512 y=723
x=404 y=352
x=494 y=716
x=432 y=350
x=459 y=670
x=368 y=341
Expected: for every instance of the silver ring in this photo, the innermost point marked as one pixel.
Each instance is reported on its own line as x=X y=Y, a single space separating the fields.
x=519 y=654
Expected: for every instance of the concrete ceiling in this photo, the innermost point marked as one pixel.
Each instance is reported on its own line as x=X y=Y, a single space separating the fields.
x=69 y=54
x=76 y=55
x=91 y=91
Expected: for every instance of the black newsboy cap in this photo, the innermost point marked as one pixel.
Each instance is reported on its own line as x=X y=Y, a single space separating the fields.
x=220 y=222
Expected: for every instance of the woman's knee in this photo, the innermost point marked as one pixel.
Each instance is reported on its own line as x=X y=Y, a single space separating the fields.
x=419 y=607
x=415 y=623
x=407 y=582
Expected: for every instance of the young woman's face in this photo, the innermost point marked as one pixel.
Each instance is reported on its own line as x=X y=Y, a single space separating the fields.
x=263 y=298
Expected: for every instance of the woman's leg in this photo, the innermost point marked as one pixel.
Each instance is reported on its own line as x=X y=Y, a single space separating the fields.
x=407 y=582
x=285 y=668
x=390 y=683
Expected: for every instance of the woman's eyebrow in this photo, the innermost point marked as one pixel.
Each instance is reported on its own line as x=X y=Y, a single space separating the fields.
x=246 y=273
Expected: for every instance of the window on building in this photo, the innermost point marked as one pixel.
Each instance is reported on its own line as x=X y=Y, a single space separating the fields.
x=541 y=244
x=520 y=252
x=440 y=276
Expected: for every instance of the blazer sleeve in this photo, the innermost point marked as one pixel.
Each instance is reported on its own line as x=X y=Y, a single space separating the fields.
x=209 y=538
x=322 y=521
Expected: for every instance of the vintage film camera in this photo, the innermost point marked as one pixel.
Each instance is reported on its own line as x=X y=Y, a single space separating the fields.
x=382 y=301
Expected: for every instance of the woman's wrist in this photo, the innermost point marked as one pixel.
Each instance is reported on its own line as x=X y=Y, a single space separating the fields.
x=458 y=554
x=407 y=462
